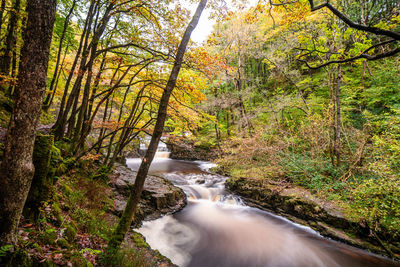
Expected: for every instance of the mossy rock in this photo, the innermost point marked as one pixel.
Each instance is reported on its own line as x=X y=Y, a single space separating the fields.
x=20 y=259
x=139 y=240
x=37 y=247
x=63 y=243
x=70 y=233
x=63 y=145
x=48 y=237
x=78 y=260
x=57 y=212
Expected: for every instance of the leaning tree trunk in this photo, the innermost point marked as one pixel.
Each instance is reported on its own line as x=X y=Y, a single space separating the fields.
x=17 y=168
x=136 y=189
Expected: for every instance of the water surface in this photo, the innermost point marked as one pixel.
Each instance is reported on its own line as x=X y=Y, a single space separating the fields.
x=217 y=229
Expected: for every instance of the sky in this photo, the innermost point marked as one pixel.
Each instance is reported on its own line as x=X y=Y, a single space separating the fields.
x=205 y=26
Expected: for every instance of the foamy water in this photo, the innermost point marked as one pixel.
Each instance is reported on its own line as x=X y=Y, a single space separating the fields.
x=217 y=229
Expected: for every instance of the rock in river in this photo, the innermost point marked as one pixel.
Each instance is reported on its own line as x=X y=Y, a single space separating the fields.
x=159 y=196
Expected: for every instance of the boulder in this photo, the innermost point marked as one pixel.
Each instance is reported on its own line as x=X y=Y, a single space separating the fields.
x=159 y=196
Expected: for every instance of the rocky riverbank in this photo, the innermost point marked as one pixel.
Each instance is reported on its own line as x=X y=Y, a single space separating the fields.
x=302 y=207
x=187 y=149
x=159 y=196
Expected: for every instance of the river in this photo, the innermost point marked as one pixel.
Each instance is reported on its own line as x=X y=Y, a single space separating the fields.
x=216 y=229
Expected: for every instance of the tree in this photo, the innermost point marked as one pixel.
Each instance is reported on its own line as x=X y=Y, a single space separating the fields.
x=5 y=62
x=394 y=37
x=370 y=17
x=17 y=168
x=136 y=190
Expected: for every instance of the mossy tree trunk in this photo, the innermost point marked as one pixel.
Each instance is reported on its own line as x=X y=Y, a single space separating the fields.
x=43 y=181
x=136 y=189
x=17 y=169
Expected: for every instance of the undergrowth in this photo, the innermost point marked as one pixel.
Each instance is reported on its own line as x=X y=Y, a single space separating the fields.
x=364 y=184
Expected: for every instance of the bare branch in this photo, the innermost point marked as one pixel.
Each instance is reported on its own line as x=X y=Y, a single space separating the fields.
x=352 y=24
x=363 y=55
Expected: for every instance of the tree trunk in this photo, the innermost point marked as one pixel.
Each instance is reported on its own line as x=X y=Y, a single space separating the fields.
x=5 y=62
x=46 y=103
x=332 y=111
x=338 y=117
x=42 y=183
x=136 y=189
x=17 y=168
x=2 y=8
x=59 y=126
x=58 y=79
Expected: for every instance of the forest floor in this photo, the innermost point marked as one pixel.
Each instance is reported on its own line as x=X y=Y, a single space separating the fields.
x=75 y=225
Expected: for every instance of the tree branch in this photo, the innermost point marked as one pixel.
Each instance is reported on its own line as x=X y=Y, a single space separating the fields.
x=352 y=24
x=363 y=55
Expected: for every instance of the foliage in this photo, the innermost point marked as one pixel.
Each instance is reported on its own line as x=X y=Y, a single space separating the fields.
x=278 y=125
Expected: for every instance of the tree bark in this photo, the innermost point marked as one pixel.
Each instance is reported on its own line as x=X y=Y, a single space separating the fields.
x=46 y=103
x=17 y=168
x=2 y=8
x=338 y=117
x=136 y=189
x=59 y=126
x=5 y=62
x=42 y=183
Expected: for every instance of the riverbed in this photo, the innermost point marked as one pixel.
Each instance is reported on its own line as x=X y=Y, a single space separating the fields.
x=217 y=229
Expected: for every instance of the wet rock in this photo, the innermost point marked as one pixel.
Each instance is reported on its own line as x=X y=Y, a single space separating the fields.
x=185 y=149
x=159 y=196
x=133 y=154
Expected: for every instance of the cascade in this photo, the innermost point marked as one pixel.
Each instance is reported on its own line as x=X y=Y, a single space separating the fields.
x=217 y=229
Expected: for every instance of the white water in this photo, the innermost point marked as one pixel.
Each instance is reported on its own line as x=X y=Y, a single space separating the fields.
x=217 y=229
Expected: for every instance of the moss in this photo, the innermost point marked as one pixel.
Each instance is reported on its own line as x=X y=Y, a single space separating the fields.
x=102 y=173
x=57 y=212
x=162 y=257
x=48 y=263
x=37 y=247
x=139 y=240
x=63 y=243
x=69 y=163
x=77 y=259
x=55 y=163
x=20 y=259
x=48 y=237
x=47 y=118
x=70 y=232
x=42 y=183
x=101 y=176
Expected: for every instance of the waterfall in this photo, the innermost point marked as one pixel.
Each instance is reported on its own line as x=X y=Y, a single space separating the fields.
x=162 y=149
